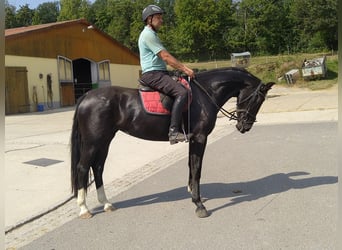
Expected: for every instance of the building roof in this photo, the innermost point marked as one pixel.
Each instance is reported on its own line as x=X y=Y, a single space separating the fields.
x=73 y=39
x=27 y=29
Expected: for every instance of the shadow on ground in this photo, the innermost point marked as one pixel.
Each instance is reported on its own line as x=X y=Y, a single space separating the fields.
x=236 y=192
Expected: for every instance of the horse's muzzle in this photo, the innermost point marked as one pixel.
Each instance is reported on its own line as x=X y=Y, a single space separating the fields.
x=243 y=127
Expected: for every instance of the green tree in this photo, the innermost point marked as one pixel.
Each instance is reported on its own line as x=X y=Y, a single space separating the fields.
x=120 y=19
x=315 y=23
x=74 y=9
x=100 y=16
x=201 y=27
x=123 y=19
x=46 y=13
x=24 y=16
x=226 y=22
x=264 y=24
x=235 y=35
x=10 y=20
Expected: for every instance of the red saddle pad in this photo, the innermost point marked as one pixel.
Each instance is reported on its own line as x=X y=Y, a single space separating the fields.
x=151 y=100
x=152 y=104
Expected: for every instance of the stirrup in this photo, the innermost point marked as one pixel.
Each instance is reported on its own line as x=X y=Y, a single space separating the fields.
x=176 y=137
x=187 y=136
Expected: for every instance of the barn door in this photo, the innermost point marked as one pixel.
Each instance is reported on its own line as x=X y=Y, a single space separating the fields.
x=66 y=81
x=16 y=90
x=104 y=73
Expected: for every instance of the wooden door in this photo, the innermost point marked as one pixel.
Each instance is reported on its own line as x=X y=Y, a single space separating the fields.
x=67 y=94
x=16 y=90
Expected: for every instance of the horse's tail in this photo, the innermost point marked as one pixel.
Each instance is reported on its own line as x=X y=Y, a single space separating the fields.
x=75 y=143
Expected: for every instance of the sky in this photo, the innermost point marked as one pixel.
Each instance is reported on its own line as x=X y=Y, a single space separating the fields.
x=33 y=4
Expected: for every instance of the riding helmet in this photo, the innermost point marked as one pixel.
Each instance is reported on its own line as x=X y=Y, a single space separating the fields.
x=151 y=10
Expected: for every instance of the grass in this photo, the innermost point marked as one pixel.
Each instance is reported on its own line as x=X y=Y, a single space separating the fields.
x=273 y=68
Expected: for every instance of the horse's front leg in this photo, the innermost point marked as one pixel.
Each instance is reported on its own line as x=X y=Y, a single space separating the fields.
x=196 y=152
x=102 y=198
x=101 y=195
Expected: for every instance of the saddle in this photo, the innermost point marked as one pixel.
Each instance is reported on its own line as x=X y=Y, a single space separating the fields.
x=157 y=103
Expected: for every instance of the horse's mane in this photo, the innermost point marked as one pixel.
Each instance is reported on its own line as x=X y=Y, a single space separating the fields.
x=210 y=73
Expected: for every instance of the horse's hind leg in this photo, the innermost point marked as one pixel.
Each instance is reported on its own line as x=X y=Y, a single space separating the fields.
x=98 y=167
x=82 y=180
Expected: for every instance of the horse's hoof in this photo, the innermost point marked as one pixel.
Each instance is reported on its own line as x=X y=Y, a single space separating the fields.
x=86 y=215
x=202 y=212
x=109 y=208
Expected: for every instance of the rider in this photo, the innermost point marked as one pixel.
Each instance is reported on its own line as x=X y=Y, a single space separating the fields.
x=153 y=60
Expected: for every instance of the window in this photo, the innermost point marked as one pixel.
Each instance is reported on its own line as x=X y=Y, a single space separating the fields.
x=104 y=71
x=65 y=69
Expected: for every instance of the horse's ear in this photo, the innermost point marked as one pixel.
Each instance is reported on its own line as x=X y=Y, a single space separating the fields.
x=267 y=86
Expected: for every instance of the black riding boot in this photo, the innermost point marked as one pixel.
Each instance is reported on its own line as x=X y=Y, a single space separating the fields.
x=176 y=118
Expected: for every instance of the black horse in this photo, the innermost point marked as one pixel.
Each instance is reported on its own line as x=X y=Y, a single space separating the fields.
x=102 y=112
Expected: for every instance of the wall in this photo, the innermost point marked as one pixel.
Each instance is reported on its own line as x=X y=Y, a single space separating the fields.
x=121 y=75
x=36 y=66
x=124 y=75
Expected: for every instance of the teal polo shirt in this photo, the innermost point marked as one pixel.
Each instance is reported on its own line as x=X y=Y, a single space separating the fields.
x=149 y=46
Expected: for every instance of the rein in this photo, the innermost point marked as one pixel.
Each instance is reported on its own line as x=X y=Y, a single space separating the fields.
x=226 y=113
x=232 y=115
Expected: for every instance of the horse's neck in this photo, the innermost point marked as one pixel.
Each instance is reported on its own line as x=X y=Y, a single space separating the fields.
x=225 y=84
x=226 y=90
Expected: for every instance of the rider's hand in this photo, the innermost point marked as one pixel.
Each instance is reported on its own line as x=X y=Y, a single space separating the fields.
x=189 y=72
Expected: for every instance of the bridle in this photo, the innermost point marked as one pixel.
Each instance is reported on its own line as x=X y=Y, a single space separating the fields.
x=233 y=115
x=252 y=97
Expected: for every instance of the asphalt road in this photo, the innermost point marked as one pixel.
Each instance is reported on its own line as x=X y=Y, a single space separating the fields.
x=272 y=188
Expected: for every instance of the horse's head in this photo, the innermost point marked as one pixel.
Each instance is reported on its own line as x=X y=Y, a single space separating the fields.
x=249 y=102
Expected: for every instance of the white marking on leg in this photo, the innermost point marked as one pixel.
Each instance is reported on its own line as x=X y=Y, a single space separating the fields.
x=81 y=201
x=102 y=198
x=101 y=195
x=189 y=189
